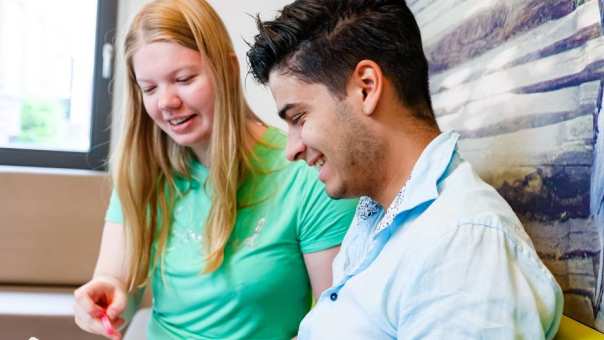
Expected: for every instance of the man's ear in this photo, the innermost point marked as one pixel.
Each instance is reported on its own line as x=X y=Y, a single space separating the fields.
x=367 y=81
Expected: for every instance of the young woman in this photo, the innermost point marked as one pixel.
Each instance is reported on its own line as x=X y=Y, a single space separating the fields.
x=231 y=238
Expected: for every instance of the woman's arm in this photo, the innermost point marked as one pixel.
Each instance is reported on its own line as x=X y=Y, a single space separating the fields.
x=106 y=292
x=112 y=260
x=113 y=263
x=318 y=266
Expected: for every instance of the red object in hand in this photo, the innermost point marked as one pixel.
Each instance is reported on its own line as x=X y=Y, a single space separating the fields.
x=107 y=324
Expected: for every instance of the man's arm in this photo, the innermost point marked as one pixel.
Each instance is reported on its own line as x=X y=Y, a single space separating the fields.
x=481 y=282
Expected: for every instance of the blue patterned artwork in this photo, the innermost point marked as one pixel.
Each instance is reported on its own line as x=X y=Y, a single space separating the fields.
x=522 y=81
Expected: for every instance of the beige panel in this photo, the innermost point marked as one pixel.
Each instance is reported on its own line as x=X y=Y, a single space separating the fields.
x=44 y=313
x=50 y=224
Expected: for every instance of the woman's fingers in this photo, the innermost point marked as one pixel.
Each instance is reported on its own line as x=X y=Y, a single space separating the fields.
x=86 y=322
x=84 y=300
x=100 y=299
x=118 y=303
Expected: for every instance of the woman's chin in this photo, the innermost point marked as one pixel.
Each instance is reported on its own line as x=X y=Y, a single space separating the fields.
x=192 y=141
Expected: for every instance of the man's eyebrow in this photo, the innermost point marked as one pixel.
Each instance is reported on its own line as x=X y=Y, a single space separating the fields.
x=283 y=111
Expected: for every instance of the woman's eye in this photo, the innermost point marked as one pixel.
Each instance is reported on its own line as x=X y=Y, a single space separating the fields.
x=184 y=80
x=147 y=90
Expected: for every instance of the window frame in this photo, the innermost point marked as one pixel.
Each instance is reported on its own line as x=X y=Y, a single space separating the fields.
x=100 y=132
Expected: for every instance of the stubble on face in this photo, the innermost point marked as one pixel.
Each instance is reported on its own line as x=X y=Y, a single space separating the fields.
x=359 y=152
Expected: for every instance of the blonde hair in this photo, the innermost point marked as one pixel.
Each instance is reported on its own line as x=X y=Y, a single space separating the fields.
x=147 y=160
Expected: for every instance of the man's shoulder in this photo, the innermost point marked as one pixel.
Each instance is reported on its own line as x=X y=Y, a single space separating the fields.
x=466 y=200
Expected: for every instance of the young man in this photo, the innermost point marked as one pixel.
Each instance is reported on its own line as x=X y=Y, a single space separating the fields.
x=433 y=252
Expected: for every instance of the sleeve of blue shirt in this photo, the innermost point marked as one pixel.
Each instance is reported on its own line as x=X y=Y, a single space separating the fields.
x=480 y=282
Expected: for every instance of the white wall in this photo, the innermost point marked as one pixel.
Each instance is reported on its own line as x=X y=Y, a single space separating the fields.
x=238 y=18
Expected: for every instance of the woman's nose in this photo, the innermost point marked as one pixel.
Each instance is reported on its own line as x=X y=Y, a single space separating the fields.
x=169 y=99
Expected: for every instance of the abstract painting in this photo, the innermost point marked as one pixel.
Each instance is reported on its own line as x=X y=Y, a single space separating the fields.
x=521 y=81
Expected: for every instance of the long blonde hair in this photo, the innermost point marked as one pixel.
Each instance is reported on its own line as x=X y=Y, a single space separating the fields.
x=147 y=160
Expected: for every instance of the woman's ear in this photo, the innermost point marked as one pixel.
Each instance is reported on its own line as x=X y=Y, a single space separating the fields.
x=367 y=81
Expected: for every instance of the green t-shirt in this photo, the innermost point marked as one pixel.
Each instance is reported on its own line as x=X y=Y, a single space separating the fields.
x=262 y=290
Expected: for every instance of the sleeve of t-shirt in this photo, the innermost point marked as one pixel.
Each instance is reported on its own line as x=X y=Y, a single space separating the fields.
x=322 y=221
x=481 y=283
x=114 y=210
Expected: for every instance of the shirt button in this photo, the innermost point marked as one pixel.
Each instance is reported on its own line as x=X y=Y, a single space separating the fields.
x=333 y=296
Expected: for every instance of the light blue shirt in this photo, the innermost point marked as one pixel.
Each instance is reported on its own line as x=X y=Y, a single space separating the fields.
x=448 y=259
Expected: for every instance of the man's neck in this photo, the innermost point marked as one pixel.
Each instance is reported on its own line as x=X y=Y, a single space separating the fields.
x=403 y=149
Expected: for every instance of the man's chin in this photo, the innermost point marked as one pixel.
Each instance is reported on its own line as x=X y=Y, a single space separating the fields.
x=336 y=192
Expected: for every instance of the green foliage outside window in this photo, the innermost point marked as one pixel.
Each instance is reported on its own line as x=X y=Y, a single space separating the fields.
x=39 y=121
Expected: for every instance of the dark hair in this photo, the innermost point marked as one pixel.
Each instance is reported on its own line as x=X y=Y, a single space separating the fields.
x=322 y=41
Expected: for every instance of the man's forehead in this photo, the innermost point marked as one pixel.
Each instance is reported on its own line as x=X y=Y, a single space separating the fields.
x=293 y=85
x=283 y=78
x=287 y=89
x=291 y=94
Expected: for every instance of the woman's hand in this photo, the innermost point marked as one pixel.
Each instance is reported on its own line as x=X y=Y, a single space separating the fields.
x=103 y=295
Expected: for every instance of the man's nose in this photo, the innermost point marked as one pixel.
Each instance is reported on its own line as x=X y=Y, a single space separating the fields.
x=295 y=146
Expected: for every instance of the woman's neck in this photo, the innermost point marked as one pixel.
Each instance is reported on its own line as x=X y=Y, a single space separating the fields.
x=254 y=131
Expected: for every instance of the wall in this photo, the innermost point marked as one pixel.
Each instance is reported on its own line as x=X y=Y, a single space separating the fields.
x=50 y=224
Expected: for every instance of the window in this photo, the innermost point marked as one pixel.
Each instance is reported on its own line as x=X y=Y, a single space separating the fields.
x=55 y=73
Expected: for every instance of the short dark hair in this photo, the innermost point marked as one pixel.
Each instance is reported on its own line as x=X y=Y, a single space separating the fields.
x=322 y=41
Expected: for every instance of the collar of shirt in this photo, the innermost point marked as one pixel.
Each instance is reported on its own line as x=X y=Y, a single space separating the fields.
x=422 y=185
x=372 y=227
x=198 y=174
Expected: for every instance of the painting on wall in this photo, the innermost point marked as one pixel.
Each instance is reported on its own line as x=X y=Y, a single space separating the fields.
x=522 y=80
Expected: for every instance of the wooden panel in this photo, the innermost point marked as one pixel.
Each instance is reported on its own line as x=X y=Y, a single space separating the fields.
x=51 y=225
